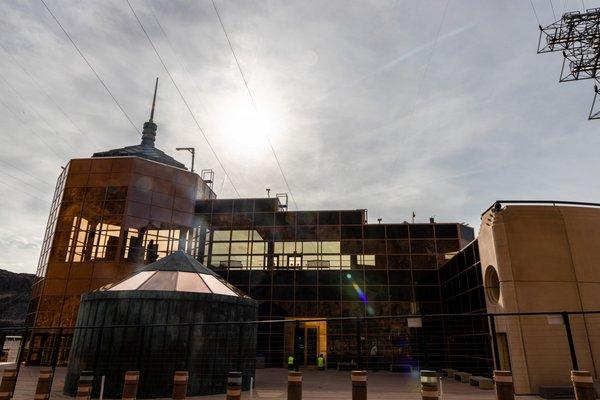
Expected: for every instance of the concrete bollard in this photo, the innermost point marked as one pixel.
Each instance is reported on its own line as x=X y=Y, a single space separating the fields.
x=83 y=393
x=180 y=382
x=294 y=390
x=86 y=379
x=44 y=384
x=503 y=382
x=234 y=386
x=583 y=385
x=430 y=386
x=359 y=385
x=9 y=380
x=130 y=386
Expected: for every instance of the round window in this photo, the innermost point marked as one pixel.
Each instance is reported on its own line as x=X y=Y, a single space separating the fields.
x=492 y=285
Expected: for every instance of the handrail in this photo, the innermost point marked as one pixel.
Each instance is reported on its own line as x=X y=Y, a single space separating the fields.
x=553 y=202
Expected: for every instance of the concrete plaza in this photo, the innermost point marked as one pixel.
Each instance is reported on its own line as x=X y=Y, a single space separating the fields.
x=271 y=384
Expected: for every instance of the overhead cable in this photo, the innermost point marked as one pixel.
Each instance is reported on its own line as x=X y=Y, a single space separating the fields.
x=237 y=61
x=183 y=98
x=91 y=67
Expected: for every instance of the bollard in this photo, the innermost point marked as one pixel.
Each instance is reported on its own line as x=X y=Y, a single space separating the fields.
x=83 y=393
x=294 y=385
x=359 y=385
x=583 y=385
x=234 y=386
x=503 y=382
x=86 y=379
x=130 y=386
x=42 y=391
x=9 y=380
x=180 y=382
x=429 y=385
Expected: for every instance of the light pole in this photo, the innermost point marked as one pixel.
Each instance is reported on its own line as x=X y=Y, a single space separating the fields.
x=191 y=150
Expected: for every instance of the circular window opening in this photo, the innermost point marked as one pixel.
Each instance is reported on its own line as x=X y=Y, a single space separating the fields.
x=492 y=285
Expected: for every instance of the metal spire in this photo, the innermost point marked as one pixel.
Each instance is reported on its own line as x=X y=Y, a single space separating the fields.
x=154 y=101
x=149 y=132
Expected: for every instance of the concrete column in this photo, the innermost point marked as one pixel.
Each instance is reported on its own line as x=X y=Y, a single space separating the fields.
x=180 y=381
x=234 y=386
x=9 y=380
x=130 y=387
x=294 y=385
x=430 y=388
x=583 y=385
x=503 y=382
x=44 y=384
x=359 y=385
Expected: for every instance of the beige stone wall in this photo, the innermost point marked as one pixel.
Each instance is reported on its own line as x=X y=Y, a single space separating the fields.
x=547 y=260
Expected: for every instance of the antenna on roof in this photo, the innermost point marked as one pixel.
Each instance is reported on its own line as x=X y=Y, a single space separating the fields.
x=154 y=101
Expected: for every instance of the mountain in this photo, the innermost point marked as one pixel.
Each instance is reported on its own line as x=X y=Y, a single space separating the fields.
x=14 y=297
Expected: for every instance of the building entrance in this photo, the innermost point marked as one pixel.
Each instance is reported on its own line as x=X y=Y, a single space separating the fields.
x=306 y=340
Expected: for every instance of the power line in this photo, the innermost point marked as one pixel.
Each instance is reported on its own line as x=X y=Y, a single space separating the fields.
x=90 y=66
x=237 y=61
x=43 y=91
x=183 y=98
x=534 y=12
x=552 y=7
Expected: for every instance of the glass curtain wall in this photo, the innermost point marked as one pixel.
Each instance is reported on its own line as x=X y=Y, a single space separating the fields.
x=323 y=264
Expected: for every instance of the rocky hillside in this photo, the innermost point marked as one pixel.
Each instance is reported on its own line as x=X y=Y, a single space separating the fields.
x=14 y=297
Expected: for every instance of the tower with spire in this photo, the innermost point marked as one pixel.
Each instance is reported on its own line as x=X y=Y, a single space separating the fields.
x=146 y=149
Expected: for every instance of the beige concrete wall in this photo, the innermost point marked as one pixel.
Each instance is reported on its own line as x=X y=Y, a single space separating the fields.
x=547 y=260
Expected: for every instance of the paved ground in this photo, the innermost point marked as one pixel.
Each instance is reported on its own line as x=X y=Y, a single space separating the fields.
x=317 y=385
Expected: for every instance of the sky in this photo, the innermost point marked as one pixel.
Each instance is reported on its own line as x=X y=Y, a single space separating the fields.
x=437 y=107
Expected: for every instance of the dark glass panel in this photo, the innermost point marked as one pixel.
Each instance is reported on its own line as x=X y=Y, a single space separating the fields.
x=284 y=233
x=260 y=292
x=283 y=292
x=238 y=277
x=221 y=220
x=74 y=194
x=421 y=231
x=353 y=309
x=427 y=293
x=243 y=205
x=400 y=277
x=352 y=217
x=400 y=293
x=266 y=205
x=329 y=232
x=374 y=247
x=467 y=233
x=285 y=218
x=242 y=220
x=307 y=218
x=222 y=206
x=260 y=277
x=447 y=231
x=283 y=277
x=305 y=293
x=307 y=233
x=329 y=309
x=380 y=262
x=351 y=277
x=447 y=246
x=264 y=219
x=329 y=218
x=351 y=232
x=352 y=247
x=114 y=207
x=306 y=277
x=422 y=246
x=397 y=231
x=398 y=246
x=376 y=277
x=327 y=293
x=423 y=262
x=425 y=277
x=329 y=277
x=377 y=293
x=374 y=231
x=203 y=206
x=307 y=308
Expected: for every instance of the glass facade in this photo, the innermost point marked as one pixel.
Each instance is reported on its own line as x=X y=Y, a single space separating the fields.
x=324 y=264
x=108 y=216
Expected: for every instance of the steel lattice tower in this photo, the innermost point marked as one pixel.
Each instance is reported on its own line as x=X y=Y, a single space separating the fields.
x=577 y=35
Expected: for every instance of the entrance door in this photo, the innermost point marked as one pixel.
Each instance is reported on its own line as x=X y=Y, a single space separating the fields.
x=301 y=343
x=312 y=345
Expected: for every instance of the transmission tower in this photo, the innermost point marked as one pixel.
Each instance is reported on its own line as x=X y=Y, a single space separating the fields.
x=577 y=36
